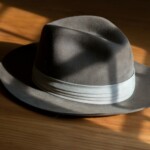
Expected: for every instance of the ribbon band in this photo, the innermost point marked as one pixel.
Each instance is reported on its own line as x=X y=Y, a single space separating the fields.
x=105 y=94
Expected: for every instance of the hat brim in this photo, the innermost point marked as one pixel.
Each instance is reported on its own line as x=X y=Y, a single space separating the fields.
x=16 y=72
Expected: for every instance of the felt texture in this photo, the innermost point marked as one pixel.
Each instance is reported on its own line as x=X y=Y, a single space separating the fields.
x=85 y=50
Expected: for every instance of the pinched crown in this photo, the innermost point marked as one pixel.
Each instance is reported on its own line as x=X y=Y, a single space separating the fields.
x=85 y=50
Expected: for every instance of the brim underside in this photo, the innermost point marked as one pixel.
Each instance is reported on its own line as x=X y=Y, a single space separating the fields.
x=16 y=71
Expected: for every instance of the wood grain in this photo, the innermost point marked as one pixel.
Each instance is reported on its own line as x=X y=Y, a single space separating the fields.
x=23 y=128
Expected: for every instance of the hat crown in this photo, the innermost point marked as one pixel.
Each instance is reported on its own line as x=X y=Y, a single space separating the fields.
x=85 y=50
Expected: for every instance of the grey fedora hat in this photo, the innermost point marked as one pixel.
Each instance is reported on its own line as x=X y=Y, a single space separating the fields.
x=82 y=65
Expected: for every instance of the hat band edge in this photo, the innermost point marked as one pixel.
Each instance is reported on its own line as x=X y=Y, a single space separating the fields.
x=104 y=94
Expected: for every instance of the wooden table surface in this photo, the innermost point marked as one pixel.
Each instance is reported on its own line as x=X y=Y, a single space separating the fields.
x=22 y=128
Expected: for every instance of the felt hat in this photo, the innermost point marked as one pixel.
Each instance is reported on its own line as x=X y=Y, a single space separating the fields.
x=82 y=65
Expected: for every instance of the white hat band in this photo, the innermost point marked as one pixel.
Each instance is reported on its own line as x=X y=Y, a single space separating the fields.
x=106 y=94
